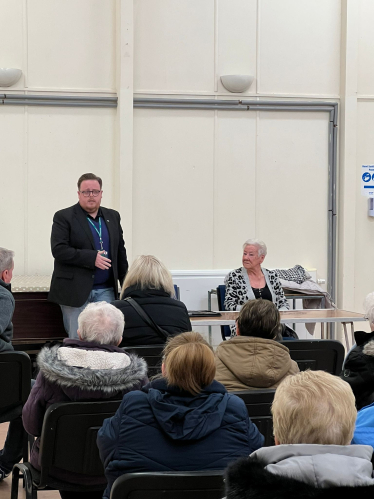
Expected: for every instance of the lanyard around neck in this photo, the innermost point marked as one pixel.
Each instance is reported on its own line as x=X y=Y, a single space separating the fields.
x=98 y=232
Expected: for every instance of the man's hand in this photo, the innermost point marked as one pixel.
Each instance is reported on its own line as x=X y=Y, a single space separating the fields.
x=101 y=262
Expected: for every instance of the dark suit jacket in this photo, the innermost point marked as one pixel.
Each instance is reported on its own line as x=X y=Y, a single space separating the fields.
x=74 y=252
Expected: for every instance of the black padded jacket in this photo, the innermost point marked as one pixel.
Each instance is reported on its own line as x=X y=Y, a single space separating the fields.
x=168 y=313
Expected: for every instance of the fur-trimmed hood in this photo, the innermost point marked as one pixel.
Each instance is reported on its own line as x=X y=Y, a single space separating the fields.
x=308 y=472
x=56 y=366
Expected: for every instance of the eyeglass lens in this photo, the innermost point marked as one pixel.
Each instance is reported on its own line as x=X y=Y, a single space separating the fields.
x=94 y=192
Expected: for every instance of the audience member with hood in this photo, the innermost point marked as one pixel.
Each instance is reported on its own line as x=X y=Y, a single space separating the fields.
x=254 y=359
x=88 y=369
x=358 y=368
x=183 y=421
x=314 y=417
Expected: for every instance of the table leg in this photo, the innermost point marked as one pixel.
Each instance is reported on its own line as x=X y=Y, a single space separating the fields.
x=322 y=331
x=346 y=335
x=293 y=307
x=353 y=334
x=210 y=308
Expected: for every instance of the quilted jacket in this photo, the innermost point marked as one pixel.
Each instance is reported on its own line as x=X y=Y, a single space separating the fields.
x=358 y=369
x=171 y=315
x=79 y=371
x=246 y=363
x=161 y=428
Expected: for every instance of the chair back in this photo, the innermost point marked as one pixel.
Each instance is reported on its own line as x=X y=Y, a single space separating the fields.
x=221 y=290
x=152 y=354
x=317 y=355
x=177 y=292
x=68 y=439
x=158 y=485
x=258 y=404
x=15 y=375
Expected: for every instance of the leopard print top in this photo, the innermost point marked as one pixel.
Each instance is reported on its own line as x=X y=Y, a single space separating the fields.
x=238 y=290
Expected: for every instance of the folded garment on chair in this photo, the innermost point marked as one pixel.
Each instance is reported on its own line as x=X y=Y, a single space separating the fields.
x=296 y=274
x=309 y=287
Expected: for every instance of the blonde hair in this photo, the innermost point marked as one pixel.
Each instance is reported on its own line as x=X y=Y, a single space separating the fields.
x=189 y=362
x=314 y=407
x=147 y=272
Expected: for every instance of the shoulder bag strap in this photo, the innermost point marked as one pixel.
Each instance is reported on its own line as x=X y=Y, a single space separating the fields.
x=147 y=319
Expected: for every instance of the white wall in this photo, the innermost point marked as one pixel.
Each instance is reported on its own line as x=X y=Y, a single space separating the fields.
x=61 y=46
x=356 y=227
x=191 y=185
x=217 y=178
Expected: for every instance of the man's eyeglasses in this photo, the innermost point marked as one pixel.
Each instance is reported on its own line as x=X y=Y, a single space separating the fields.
x=94 y=193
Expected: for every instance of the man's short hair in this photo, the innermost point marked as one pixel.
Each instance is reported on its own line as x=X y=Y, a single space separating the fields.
x=89 y=176
x=102 y=323
x=6 y=259
x=259 y=318
x=314 y=407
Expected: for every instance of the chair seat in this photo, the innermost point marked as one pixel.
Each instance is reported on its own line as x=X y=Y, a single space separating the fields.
x=170 y=485
x=55 y=483
x=67 y=443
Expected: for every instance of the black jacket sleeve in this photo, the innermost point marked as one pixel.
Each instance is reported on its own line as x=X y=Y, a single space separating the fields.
x=61 y=247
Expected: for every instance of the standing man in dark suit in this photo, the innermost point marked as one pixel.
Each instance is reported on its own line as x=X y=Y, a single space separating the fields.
x=89 y=252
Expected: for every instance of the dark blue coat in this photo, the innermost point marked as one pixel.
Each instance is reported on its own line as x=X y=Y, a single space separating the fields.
x=161 y=428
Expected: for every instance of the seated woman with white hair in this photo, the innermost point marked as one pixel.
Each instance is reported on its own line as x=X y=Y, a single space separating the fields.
x=253 y=282
x=91 y=368
x=358 y=368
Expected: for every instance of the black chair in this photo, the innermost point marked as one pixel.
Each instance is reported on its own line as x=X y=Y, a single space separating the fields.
x=177 y=292
x=258 y=404
x=15 y=375
x=68 y=442
x=183 y=485
x=317 y=355
x=152 y=354
x=221 y=290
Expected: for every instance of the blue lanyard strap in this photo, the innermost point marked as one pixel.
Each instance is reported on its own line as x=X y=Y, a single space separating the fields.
x=98 y=231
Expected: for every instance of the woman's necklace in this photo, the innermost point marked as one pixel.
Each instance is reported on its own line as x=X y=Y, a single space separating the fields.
x=258 y=280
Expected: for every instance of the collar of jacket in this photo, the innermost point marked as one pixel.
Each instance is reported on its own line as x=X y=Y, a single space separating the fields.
x=275 y=454
x=99 y=212
x=249 y=478
x=362 y=337
x=321 y=466
x=109 y=381
x=6 y=285
x=90 y=345
x=162 y=385
x=135 y=292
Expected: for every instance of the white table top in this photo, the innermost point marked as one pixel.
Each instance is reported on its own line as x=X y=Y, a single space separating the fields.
x=290 y=316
